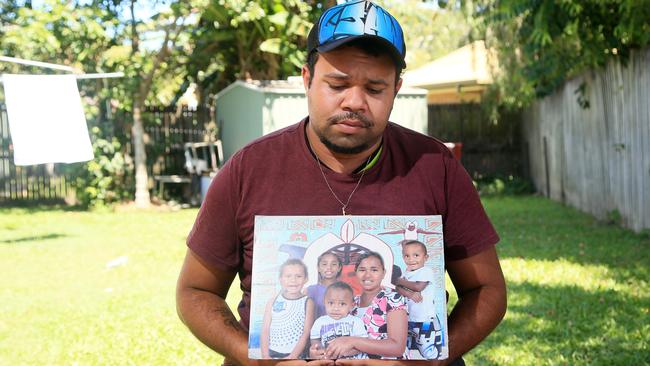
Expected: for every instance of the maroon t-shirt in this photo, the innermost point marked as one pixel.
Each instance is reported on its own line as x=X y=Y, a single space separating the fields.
x=278 y=175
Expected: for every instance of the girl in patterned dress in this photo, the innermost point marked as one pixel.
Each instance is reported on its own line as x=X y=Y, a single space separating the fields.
x=288 y=316
x=383 y=311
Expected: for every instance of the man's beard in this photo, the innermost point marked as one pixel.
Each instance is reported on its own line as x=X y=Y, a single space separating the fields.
x=340 y=149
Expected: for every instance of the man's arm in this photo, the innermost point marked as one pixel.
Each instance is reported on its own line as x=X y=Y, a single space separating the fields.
x=481 y=302
x=481 y=305
x=200 y=302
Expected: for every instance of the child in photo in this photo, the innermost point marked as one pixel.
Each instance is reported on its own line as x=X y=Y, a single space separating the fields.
x=424 y=326
x=329 y=270
x=288 y=316
x=339 y=301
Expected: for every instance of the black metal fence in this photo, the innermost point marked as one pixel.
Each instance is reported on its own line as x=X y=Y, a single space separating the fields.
x=166 y=131
x=489 y=147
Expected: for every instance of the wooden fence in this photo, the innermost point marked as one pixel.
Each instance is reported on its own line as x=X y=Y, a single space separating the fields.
x=596 y=159
x=166 y=129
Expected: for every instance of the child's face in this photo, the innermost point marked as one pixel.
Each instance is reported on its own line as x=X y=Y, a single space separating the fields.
x=338 y=303
x=329 y=267
x=414 y=256
x=292 y=279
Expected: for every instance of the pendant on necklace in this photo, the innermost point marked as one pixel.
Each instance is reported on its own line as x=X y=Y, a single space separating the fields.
x=343 y=210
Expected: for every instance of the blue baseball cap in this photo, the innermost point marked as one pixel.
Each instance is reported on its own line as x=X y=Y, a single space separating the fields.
x=353 y=20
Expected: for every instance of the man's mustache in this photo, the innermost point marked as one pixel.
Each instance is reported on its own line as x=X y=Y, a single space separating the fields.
x=351 y=116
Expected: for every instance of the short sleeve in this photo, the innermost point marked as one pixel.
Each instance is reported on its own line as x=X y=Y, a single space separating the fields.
x=395 y=301
x=424 y=274
x=214 y=236
x=466 y=228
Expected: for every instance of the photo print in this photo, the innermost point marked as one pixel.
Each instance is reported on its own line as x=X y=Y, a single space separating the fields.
x=323 y=283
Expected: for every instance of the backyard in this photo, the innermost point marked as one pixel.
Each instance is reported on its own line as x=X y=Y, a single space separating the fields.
x=97 y=288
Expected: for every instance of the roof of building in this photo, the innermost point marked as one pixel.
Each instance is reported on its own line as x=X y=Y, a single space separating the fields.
x=468 y=65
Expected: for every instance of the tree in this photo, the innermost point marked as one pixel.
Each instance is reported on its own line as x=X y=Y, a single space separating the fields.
x=150 y=53
x=239 y=39
x=543 y=43
x=430 y=31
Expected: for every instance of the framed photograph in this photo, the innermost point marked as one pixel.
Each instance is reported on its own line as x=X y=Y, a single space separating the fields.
x=322 y=283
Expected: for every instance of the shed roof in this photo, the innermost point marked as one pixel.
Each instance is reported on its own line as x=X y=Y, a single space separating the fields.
x=468 y=65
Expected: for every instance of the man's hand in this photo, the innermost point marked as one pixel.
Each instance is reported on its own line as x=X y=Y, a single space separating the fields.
x=290 y=363
x=390 y=363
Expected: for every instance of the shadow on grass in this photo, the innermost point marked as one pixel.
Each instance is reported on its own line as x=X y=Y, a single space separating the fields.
x=31 y=238
x=40 y=206
x=559 y=325
x=533 y=227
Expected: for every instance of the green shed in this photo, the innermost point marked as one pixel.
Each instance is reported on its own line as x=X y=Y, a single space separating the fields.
x=246 y=110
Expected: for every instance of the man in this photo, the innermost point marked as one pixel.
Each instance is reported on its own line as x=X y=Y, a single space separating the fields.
x=344 y=158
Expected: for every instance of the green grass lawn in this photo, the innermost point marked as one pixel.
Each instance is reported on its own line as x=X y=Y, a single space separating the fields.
x=578 y=290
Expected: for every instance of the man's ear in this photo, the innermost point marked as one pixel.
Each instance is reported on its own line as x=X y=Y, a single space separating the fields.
x=398 y=85
x=305 y=76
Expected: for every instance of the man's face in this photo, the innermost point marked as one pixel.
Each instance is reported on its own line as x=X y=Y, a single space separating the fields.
x=414 y=256
x=350 y=98
x=338 y=303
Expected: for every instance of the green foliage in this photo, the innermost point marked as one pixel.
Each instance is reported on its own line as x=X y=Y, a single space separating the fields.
x=238 y=39
x=542 y=43
x=614 y=217
x=105 y=180
x=500 y=185
x=429 y=32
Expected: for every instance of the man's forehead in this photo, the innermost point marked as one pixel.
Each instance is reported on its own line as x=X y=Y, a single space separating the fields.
x=346 y=62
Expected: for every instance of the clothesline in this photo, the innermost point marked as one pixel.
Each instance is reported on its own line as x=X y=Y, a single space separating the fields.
x=61 y=67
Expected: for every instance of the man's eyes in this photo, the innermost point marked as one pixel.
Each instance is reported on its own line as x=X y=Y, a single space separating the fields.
x=337 y=86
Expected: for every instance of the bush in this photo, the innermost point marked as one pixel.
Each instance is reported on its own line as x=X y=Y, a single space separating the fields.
x=108 y=178
x=499 y=185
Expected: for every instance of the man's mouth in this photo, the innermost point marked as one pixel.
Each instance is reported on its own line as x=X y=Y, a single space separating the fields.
x=351 y=119
x=352 y=123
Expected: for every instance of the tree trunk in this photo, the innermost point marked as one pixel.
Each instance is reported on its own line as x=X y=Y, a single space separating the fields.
x=142 y=199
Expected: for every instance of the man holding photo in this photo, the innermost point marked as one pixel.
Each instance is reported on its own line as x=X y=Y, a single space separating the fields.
x=344 y=158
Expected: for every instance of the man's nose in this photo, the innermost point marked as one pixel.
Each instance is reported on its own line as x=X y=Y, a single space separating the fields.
x=354 y=99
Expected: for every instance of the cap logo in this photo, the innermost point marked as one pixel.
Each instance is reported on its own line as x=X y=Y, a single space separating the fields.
x=358 y=18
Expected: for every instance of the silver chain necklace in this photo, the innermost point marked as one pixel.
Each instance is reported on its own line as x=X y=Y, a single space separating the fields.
x=343 y=205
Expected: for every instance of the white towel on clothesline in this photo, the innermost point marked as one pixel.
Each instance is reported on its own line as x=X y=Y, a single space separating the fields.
x=46 y=119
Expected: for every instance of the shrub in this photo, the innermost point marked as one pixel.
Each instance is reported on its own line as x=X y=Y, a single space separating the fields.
x=500 y=185
x=108 y=178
